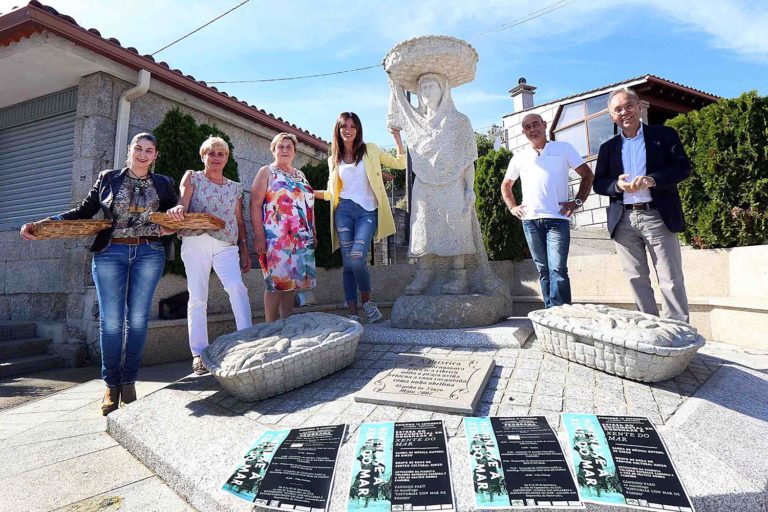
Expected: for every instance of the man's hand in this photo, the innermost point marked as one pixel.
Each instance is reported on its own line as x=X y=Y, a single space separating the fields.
x=642 y=182
x=626 y=186
x=567 y=208
x=518 y=211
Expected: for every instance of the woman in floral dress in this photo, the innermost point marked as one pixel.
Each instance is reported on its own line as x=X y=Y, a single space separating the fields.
x=283 y=228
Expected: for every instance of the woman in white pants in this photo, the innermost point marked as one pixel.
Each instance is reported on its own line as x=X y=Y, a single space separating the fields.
x=225 y=250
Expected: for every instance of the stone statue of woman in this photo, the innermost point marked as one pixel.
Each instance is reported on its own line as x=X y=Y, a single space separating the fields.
x=454 y=285
x=443 y=151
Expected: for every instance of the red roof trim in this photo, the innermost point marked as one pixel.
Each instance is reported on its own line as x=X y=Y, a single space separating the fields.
x=36 y=17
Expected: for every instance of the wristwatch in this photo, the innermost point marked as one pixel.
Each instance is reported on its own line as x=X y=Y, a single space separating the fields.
x=578 y=202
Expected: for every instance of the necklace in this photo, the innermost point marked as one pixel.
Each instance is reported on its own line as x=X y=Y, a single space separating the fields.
x=136 y=176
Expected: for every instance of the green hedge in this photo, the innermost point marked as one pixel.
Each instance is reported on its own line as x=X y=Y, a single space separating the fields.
x=502 y=232
x=726 y=198
x=178 y=144
x=317 y=175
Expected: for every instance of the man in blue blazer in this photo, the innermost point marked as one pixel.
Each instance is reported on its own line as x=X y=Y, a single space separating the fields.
x=639 y=170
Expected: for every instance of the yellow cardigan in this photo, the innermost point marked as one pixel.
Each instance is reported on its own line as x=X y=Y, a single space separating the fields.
x=372 y=161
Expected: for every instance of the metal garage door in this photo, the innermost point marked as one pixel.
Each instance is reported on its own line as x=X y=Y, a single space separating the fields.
x=36 y=144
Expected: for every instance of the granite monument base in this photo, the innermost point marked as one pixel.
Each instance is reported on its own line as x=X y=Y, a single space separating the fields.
x=449 y=311
x=509 y=333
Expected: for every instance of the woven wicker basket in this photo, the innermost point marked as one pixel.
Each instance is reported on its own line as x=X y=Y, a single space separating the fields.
x=50 y=229
x=290 y=371
x=191 y=221
x=453 y=58
x=623 y=352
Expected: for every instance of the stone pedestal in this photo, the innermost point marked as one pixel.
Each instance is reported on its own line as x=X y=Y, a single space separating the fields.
x=449 y=311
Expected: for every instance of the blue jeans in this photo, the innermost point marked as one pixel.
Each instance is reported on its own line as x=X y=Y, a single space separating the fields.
x=126 y=277
x=355 y=227
x=549 y=241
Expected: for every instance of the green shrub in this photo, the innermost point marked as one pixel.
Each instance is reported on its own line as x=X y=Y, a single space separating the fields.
x=484 y=144
x=726 y=198
x=317 y=175
x=178 y=144
x=502 y=232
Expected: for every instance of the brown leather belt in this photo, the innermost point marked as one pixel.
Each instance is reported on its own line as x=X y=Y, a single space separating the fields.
x=639 y=206
x=134 y=240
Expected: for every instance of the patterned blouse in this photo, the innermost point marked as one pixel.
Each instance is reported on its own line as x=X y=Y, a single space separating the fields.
x=218 y=200
x=134 y=202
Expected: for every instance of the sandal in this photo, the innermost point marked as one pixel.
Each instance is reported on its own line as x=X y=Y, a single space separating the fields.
x=198 y=367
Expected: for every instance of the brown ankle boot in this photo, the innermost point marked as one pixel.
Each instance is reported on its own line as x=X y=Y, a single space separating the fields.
x=128 y=393
x=111 y=400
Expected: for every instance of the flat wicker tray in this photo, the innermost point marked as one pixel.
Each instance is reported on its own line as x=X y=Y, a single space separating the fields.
x=49 y=229
x=191 y=221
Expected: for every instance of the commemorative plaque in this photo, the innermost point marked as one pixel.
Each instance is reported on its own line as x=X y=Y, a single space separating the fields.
x=450 y=385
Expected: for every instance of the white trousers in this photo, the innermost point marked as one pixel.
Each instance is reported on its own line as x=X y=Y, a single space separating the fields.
x=199 y=254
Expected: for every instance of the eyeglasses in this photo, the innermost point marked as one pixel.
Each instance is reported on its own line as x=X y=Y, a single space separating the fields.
x=627 y=107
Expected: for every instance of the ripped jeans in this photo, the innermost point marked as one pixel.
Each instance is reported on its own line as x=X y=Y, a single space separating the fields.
x=355 y=227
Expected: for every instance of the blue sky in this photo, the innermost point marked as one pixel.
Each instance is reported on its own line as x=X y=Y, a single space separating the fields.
x=718 y=46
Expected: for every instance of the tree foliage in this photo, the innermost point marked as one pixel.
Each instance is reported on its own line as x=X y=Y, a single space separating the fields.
x=317 y=175
x=502 y=232
x=726 y=198
x=178 y=144
x=484 y=144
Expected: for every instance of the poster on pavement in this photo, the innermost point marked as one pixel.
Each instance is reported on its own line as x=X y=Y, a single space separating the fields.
x=621 y=460
x=289 y=469
x=517 y=462
x=401 y=467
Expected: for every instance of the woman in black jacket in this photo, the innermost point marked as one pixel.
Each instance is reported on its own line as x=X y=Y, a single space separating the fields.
x=128 y=261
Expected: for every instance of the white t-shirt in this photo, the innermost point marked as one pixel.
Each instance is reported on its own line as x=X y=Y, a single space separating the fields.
x=355 y=186
x=544 y=178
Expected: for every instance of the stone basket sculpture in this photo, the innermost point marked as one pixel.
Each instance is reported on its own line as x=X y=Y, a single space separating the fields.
x=625 y=343
x=453 y=58
x=272 y=358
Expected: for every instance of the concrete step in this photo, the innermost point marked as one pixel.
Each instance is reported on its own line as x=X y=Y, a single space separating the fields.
x=22 y=347
x=28 y=364
x=17 y=330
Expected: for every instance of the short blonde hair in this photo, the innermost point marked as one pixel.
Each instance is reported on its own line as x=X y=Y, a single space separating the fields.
x=213 y=142
x=283 y=135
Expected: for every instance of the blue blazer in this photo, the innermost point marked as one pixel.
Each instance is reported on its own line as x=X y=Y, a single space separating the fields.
x=665 y=161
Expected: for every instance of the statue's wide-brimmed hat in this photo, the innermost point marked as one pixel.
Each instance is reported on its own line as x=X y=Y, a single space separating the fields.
x=453 y=58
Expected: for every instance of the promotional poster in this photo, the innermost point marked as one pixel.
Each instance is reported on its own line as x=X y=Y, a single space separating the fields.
x=400 y=467
x=517 y=462
x=290 y=469
x=622 y=460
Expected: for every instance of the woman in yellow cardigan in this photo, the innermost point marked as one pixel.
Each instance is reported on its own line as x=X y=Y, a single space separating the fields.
x=359 y=205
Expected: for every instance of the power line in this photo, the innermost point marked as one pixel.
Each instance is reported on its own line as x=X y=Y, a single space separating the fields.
x=292 y=77
x=200 y=27
x=530 y=16
x=519 y=21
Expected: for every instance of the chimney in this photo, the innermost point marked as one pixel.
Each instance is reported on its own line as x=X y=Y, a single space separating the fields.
x=522 y=95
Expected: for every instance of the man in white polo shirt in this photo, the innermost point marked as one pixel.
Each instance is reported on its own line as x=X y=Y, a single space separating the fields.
x=543 y=168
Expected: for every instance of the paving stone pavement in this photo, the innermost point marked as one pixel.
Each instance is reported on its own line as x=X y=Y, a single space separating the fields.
x=55 y=453
x=61 y=439
x=525 y=381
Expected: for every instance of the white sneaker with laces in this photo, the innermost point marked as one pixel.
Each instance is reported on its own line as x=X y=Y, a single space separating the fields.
x=372 y=312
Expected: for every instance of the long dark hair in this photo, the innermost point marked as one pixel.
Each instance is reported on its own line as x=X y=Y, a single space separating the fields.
x=358 y=146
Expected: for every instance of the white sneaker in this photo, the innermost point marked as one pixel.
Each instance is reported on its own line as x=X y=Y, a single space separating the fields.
x=372 y=312
x=356 y=318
